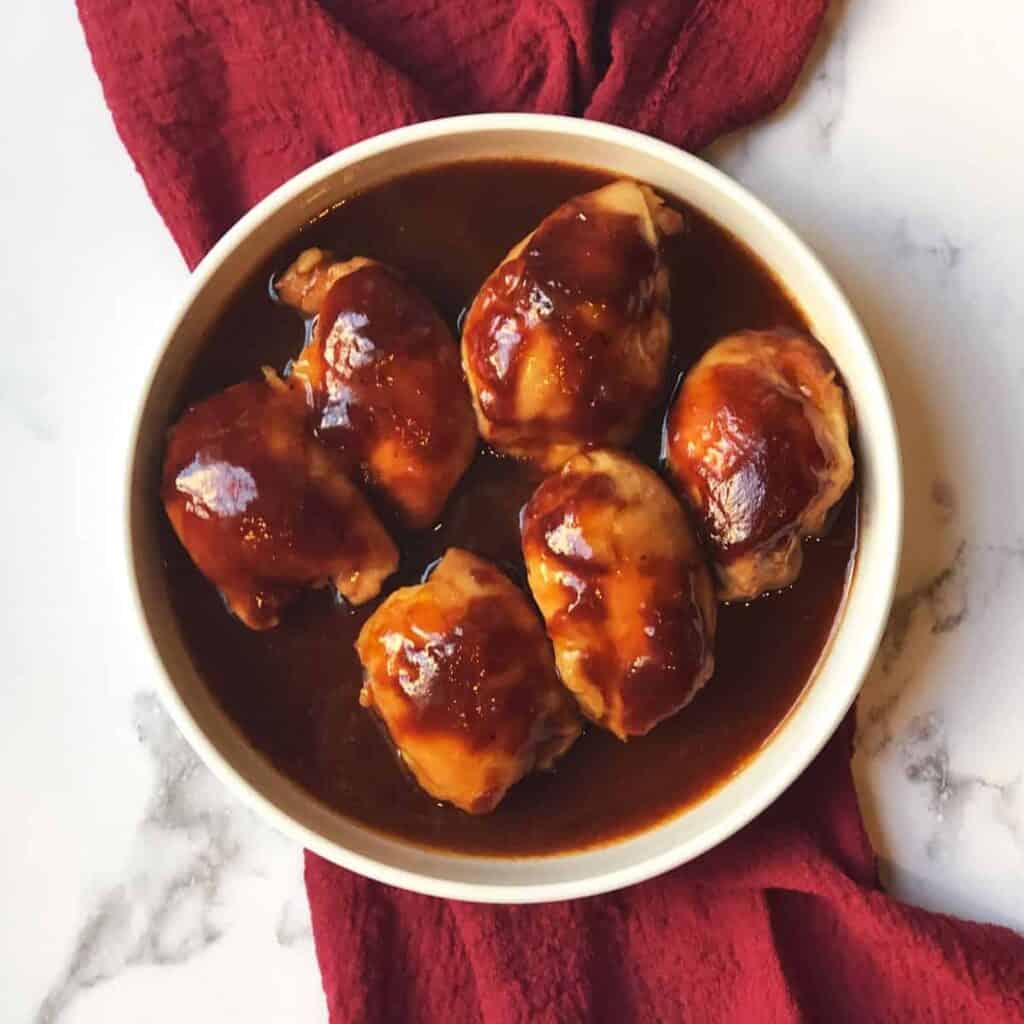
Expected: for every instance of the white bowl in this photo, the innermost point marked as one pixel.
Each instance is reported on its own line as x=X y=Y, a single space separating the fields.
x=840 y=670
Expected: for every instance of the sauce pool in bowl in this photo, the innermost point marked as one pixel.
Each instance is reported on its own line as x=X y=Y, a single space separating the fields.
x=293 y=690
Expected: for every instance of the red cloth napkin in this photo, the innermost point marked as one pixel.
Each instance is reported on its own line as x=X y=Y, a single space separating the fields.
x=218 y=102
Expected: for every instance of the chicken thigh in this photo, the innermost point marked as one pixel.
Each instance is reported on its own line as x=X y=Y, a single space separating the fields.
x=263 y=509
x=461 y=673
x=381 y=374
x=566 y=344
x=758 y=443
x=622 y=584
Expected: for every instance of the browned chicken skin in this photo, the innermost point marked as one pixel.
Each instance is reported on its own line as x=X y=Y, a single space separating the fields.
x=382 y=376
x=567 y=342
x=462 y=675
x=758 y=442
x=624 y=589
x=263 y=509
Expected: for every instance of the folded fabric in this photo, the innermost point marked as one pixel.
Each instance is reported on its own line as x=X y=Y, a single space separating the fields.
x=218 y=102
x=783 y=922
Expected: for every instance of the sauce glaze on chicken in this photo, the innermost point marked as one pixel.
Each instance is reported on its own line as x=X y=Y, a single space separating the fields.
x=758 y=441
x=624 y=589
x=567 y=342
x=294 y=690
x=381 y=374
x=263 y=509
x=461 y=673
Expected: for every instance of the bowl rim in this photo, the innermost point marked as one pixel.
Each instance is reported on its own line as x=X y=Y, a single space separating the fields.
x=807 y=746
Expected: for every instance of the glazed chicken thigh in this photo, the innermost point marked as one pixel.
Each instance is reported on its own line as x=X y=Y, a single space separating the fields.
x=461 y=673
x=566 y=344
x=381 y=374
x=623 y=587
x=263 y=509
x=758 y=443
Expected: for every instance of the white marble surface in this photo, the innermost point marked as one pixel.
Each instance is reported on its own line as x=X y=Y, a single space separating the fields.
x=133 y=887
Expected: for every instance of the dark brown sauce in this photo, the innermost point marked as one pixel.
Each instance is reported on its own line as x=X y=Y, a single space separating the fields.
x=294 y=690
x=380 y=322
x=383 y=378
x=755 y=497
x=456 y=679
x=783 y=476
x=591 y=274
x=237 y=485
x=678 y=647
x=587 y=566
x=445 y=667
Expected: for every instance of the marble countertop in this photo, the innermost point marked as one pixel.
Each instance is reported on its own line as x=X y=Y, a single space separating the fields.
x=131 y=879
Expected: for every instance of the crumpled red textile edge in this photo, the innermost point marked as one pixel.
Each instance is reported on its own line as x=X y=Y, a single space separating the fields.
x=218 y=102
x=783 y=922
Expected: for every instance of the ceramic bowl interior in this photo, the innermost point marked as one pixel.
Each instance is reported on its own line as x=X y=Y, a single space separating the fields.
x=840 y=670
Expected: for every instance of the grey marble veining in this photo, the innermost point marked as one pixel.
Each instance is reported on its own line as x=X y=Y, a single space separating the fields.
x=827 y=75
x=164 y=911
x=175 y=898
